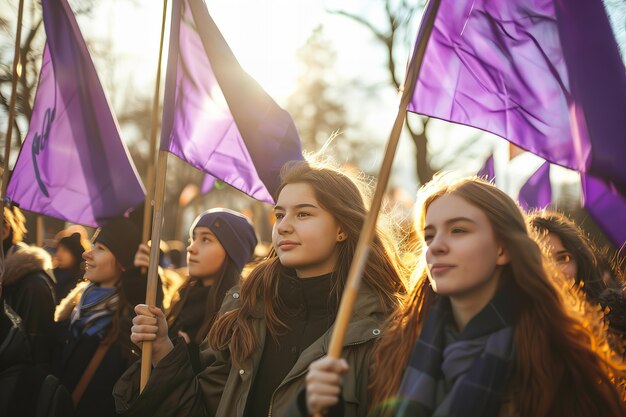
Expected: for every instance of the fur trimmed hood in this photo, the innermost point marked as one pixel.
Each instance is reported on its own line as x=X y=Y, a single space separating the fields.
x=65 y=307
x=24 y=260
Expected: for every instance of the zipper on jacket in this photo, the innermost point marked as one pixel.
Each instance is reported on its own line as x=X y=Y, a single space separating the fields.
x=269 y=413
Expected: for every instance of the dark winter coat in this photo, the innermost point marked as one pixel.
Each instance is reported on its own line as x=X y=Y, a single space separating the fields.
x=29 y=290
x=222 y=390
x=25 y=388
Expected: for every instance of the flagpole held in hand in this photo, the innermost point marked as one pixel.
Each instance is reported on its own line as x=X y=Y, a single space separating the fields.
x=151 y=288
x=350 y=293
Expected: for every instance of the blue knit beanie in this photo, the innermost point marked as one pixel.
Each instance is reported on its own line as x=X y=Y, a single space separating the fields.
x=233 y=230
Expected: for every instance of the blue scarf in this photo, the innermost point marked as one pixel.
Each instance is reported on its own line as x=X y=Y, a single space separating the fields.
x=94 y=312
x=464 y=377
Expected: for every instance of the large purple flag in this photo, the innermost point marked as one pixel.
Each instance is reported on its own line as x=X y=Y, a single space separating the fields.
x=607 y=208
x=73 y=164
x=536 y=193
x=545 y=75
x=215 y=116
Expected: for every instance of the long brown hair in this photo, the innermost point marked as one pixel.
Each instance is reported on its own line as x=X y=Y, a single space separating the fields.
x=229 y=276
x=562 y=363
x=338 y=194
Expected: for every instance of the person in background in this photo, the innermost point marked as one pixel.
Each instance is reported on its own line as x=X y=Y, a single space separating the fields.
x=68 y=260
x=28 y=288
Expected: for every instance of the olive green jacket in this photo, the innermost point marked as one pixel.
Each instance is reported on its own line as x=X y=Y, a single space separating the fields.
x=221 y=390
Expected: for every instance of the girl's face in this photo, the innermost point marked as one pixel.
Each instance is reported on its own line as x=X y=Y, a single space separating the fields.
x=63 y=258
x=462 y=251
x=101 y=267
x=305 y=235
x=562 y=256
x=205 y=254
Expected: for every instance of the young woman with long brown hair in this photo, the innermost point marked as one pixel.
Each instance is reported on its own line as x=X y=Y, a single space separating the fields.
x=279 y=321
x=486 y=331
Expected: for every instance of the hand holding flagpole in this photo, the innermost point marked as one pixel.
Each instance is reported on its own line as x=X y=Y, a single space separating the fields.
x=159 y=196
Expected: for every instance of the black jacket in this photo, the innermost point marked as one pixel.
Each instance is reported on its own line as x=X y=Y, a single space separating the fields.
x=25 y=388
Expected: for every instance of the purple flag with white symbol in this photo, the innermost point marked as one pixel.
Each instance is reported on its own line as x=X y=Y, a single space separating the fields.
x=73 y=164
x=536 y=193
x=545 y=75
x=215 y=116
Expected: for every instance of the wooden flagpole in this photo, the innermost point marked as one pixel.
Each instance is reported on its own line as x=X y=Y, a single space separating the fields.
x=156 y=193
x=40 y=231
x=150 y=175
x=351 y=291
x=151 y=289
x=17 y=71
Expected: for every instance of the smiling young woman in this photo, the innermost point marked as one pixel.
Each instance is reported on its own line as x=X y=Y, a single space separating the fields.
x=94 y=320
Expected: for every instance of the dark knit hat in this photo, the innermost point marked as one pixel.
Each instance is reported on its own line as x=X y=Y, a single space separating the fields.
x=73 y=244
x=233 y=230
x=122 y=238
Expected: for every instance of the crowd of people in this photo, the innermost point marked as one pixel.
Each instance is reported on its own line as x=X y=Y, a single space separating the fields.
x=491 y=312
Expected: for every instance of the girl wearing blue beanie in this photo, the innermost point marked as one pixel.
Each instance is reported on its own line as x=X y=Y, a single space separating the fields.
x=221 y=242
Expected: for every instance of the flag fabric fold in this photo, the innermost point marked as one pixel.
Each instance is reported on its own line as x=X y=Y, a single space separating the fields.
x=207 y=184
x=487 y=171
x=607 y=207
x=215 y=116
x=545 y=75
x=536 y=193
x=73 y=164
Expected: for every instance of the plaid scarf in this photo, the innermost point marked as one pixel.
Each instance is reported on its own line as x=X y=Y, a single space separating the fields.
x=94 y=312
x=465 y=377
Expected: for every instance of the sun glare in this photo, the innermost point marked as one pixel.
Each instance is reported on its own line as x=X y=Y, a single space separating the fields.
x=264 y=36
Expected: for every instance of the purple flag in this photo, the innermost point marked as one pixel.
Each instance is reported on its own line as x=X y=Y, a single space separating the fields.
x=73 y=164
x=606 y=207
x=536 y=193
x=545 y=75
x=207 y=183
x=215 y=116
x=487 y=171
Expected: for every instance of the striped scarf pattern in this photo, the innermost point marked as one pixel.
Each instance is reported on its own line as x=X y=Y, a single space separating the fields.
x=465 y=377
x=94 y=312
